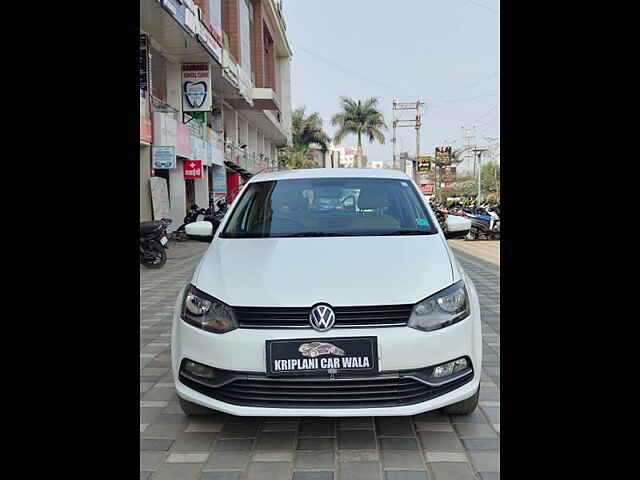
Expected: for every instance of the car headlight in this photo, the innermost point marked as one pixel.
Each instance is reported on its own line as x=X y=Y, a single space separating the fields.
x=442 y=309
x=205 y=312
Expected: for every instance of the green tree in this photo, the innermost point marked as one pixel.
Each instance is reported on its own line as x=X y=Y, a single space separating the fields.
x=359 y=118
x=305 y=131
x=490 y=181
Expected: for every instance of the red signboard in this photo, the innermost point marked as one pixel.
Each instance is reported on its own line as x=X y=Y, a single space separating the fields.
x=427 y=188
x=192 y=169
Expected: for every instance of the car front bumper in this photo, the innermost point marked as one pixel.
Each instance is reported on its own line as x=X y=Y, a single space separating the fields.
x=400 y=349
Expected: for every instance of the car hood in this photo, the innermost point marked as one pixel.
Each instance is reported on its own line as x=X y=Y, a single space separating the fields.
x=340 y=271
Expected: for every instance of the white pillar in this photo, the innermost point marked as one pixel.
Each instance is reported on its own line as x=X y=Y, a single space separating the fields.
x=177 y=187
x=177 y=196
x=202 y=189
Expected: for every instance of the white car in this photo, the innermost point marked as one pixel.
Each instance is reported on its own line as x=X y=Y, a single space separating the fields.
x=376 y=282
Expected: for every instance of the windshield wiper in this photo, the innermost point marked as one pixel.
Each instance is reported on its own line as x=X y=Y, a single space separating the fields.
x=406 y=232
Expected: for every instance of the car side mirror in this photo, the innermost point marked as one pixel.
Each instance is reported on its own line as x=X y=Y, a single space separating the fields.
x=203 y=230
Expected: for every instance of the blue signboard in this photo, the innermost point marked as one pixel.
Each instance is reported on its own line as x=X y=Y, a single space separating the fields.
x=163 y=157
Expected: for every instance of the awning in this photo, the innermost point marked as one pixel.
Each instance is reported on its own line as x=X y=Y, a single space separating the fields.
x=234 y=167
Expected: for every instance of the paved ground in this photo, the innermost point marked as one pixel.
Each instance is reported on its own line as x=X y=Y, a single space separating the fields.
x=488 y=250
x=424 y=447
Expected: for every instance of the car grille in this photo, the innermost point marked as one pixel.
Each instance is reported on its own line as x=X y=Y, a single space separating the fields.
x=381 y=391
x=346 y=317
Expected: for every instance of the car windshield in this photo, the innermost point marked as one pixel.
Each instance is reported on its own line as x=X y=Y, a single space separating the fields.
x=329 y=207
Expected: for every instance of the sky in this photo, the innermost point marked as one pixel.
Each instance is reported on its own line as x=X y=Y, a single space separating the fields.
x=444 y=52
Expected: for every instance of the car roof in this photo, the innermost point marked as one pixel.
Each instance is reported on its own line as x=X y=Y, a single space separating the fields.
x=305 y=173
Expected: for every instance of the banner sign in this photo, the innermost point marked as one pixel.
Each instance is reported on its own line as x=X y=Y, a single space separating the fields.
x=163 y=158
x=192 y=169
x=427 y=188
x=424 y=164
x=196 y=87
x=219 y=181
x=183 y=145
x=145 y=64
x=164 y=128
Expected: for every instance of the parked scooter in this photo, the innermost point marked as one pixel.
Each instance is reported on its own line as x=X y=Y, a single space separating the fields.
x=192 y=216
x=485 y=222
x=153 y=242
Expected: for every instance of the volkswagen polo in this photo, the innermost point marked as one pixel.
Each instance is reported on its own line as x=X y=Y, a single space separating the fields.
x=333 y=311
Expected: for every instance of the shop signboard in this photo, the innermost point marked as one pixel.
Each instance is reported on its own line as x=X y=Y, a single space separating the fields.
x=164 y=128
x=183 y=146
x=145 y=64
x=192 y=169
x=163 y=157
x=196 y=87
x=219 y=181
x=427 y=188
x=190 y=21
x=209 y=149
x=209 y=42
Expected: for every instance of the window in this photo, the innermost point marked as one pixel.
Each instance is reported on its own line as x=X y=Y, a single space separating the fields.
x=245 y=36
x=329 y=207
x=215 y=14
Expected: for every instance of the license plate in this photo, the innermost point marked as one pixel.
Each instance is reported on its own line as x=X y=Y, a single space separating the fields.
x=164 y=241
x=330 y=356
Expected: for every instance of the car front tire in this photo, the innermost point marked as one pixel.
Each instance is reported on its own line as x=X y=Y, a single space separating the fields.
x=191 y=409
x=464 y=407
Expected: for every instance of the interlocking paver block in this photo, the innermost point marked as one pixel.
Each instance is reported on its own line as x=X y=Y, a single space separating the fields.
x=402 y=459
x=485 y=461
x=474 y=430
x=314 y=460
x=313 y=476
x=276 y=441
x=359 y=471
x=316 y=443
x=228 y=460
x=450 y=471
x=405 y=475
x=268 y=471
x=233 y=444
x=440 y=441
x=220 y=476
x=313 y=427
x=394 y=426
x=397 y=443
x=481 y=443
x=239 y=430
x=356 y=439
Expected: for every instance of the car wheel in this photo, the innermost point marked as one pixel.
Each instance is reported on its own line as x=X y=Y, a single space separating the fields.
x=464 y=407
x=191 y=409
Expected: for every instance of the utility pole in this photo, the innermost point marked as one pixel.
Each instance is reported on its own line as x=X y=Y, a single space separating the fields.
x=394 y=132
x=469 y=134
x=417 y=124
x=478 y=152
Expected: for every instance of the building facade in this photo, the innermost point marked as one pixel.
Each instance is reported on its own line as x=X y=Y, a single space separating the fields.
x=215 y=89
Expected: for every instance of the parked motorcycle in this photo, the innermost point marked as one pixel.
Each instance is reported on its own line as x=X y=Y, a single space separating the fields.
x=153 y=243
x=192 y=216
x=485 y=222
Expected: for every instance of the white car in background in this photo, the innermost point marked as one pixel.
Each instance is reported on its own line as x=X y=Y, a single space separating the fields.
x=376 y=282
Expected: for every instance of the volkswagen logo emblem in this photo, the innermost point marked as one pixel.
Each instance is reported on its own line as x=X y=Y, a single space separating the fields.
x=322 y=317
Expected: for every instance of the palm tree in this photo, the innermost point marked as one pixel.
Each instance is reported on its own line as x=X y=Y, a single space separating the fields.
x=308 y=130
x=359 y=118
